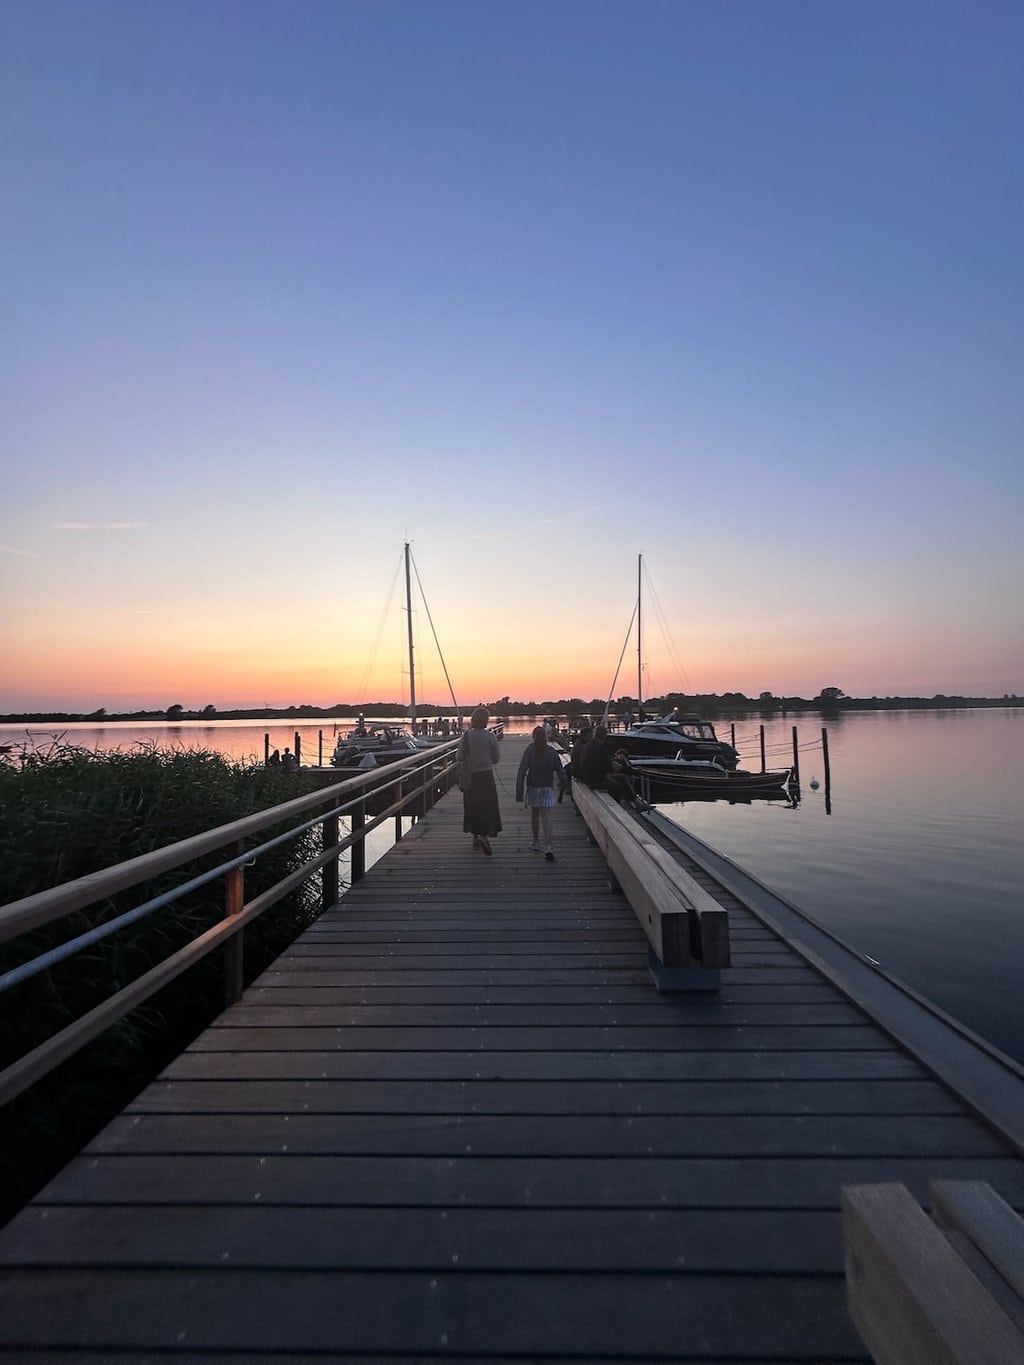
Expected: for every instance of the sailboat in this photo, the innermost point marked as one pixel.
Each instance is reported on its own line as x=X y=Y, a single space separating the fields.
x=372 y=743
x=673 y=736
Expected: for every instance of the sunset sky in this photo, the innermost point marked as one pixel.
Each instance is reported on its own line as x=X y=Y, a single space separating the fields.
x=540 y=287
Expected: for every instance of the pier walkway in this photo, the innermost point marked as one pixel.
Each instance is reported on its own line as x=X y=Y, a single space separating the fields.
x=456 y=1121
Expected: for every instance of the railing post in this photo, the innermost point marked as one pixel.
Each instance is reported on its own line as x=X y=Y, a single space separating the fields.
x=234 y=903
x=329 y=875
x=359 y=843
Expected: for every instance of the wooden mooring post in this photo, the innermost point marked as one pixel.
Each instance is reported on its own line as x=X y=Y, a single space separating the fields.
x=824 y=750
x=764 y=768
x=796 y=759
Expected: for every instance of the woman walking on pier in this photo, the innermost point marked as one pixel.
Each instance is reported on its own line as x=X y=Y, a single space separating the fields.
x=540 y=772
x=479 y=755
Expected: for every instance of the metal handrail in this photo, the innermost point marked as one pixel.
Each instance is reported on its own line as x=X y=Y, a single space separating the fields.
x=45 y=907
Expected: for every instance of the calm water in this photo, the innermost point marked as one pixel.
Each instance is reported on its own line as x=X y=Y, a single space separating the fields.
x=920 y=863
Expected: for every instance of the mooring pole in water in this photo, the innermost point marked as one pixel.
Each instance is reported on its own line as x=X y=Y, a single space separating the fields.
x=763 y=768
x=298 y=750
x=266 y=750
x=320 y=750
x=796 y=759
x=828 y=770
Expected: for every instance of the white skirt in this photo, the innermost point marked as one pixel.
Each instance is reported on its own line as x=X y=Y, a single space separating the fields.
x=540 y=796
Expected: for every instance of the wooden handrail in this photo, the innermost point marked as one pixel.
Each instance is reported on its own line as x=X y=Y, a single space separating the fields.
x=31 y=912
x=45 y=907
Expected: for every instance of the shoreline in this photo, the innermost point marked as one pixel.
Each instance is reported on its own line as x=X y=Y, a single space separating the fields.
x=709 y=705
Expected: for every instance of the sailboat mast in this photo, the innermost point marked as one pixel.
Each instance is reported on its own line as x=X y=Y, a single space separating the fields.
x=412 y=669
x=639 y=642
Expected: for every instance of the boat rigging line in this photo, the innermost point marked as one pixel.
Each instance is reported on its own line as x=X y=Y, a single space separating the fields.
x=618 y=666
x=364 y=680
x=643 y=576
x=430 y=619
x=670 y=644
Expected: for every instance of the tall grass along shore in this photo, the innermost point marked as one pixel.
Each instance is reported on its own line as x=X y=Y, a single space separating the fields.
x=66 y=812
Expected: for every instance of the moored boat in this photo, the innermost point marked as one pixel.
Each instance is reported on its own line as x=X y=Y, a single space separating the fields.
x=682 y=737
x=685 y=773
x=369 y=746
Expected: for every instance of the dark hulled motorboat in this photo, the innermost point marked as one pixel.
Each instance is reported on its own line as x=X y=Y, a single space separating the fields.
x=708 y=775
x=675 y=737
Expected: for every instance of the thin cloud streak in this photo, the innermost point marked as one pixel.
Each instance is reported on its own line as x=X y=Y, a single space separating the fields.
x=97 y=525
x=22 y=554
x=511 y=532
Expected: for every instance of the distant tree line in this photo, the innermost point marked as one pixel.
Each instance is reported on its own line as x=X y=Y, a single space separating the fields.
x=710 y=704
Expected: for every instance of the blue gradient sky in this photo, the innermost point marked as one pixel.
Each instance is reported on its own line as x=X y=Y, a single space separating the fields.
x=538 y=286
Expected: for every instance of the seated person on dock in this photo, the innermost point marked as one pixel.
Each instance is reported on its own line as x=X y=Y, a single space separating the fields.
x=600 y=770
x=584 y=737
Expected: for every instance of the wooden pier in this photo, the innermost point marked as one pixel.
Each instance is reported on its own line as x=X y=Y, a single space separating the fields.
x=456 y=1120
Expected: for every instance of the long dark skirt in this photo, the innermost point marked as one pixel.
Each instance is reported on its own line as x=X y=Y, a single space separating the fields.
x=480 y=813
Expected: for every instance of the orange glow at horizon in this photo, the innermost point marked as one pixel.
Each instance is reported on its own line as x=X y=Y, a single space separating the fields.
x=160 y=661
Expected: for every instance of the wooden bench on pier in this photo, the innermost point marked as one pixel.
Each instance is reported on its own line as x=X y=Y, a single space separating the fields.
x=687 y=929
x=941 y=1290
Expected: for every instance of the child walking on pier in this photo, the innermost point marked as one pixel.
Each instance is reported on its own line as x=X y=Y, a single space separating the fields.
x=540 y=772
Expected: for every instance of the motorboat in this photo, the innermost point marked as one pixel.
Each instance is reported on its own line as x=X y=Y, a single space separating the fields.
x=708 y=774
x=370 y=745
x=683 y=738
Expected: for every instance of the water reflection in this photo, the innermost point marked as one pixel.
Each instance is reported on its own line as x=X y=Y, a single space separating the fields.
x=914 y=855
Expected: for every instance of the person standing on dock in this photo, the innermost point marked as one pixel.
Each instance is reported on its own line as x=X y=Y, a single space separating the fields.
x=540 y=772
x=479 y=755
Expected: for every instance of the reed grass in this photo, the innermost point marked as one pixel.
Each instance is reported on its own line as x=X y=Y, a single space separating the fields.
x=66 y=812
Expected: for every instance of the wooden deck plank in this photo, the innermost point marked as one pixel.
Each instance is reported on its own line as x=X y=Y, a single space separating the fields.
x=455 y=1120
x=477 y=993
x=452 y=1313
x=268 y=1012
x=753 y=1181
x=561 y=1097
x=722 y=1034
x=667 y=1068
x=568 y=1135
x=707 y=1240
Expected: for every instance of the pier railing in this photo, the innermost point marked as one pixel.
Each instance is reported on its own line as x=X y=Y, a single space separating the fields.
x=407 y=787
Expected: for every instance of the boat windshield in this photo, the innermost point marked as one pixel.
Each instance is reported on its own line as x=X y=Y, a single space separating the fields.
x=697 y=729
